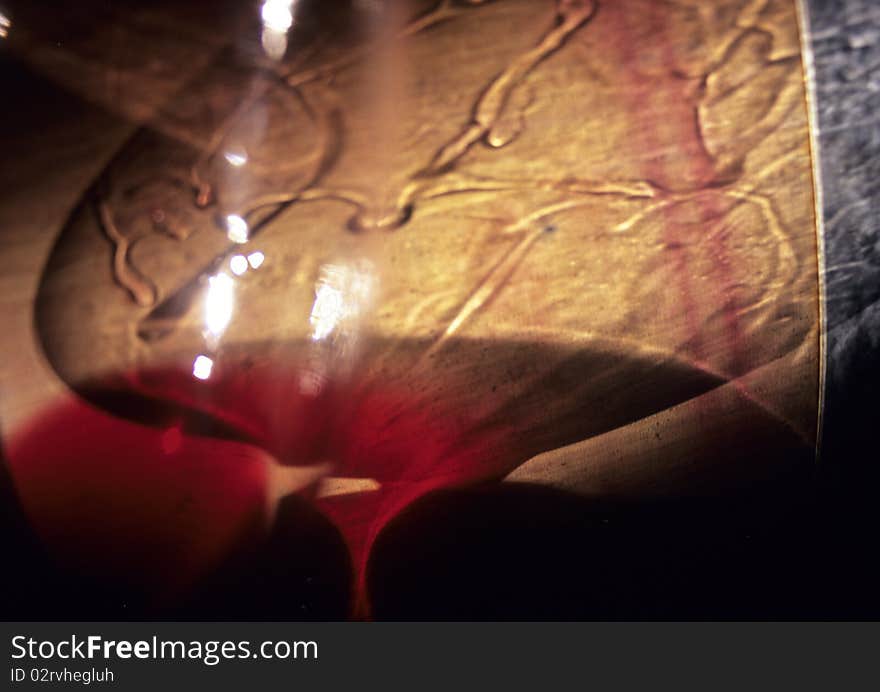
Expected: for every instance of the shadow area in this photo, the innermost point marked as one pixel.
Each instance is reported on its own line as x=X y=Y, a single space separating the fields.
x=34 y=586
x=521 y=552
x=300 y=571
x=506 y=551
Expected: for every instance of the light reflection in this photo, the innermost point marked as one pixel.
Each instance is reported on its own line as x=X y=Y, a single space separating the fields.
x=311 y=382
x=342 y=293
x=238 y=264
x=326 y=312
x=236 y=229
x=202 y=367
x=236 y=158
x=255 y=259
x=277 y=16
x=5 y=25
x=218 y=304
x=274 y=43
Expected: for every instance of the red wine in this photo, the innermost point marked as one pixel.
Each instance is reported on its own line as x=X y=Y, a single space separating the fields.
x=158 y=492
x=156 y=476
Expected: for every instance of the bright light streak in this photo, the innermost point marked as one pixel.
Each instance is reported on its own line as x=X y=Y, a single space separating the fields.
x=274 y=43
x=277 y=18
x=277 y=15
x=202 y=367
x=5 y=25
x=236 y=229
x=219 y=303
x=236 y=158
x=342 y=293
x=238 y=264
x=255 y=259
x=326 y=312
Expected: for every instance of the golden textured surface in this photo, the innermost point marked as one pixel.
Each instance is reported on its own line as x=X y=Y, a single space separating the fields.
x=587 y=223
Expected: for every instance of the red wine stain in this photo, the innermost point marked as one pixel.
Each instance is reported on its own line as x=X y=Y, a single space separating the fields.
x=666 y=119
x=157 y=493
